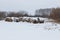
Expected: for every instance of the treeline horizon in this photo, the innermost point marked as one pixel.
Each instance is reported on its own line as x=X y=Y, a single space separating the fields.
x=44 y=13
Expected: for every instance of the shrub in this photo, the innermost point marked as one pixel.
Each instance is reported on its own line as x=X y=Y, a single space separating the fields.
x=9 y=19
x=17 y=20
x=35 y=21
x=28 y=20
x=41 y=21
x=20 y=19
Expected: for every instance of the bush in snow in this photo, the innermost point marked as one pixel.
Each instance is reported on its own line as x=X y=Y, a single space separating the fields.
x=17 y=20
x=9 y=19
x=41 y=21
x=35 y=21
x=38 y=19
x=20 y=19
x=28 y=20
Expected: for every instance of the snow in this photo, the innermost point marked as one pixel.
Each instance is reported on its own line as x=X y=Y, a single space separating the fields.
x=29 y=31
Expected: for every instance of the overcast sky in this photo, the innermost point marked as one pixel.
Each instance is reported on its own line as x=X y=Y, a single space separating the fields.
x=28 y=5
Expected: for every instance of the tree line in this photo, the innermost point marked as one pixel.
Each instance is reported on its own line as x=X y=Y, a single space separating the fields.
x=54 y=14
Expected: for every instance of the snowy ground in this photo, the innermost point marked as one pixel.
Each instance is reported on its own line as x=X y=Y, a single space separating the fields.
x=29 y=31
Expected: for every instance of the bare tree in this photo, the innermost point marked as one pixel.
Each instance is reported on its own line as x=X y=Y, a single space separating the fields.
x=55 y=14
x=2 y=15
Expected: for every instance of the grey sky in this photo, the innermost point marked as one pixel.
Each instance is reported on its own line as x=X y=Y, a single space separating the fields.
x=28 y=5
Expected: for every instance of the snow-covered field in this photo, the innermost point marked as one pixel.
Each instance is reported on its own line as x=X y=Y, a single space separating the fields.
x=29 y=31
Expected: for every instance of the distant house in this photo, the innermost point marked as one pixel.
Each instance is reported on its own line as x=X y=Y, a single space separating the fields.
x=43 y=12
